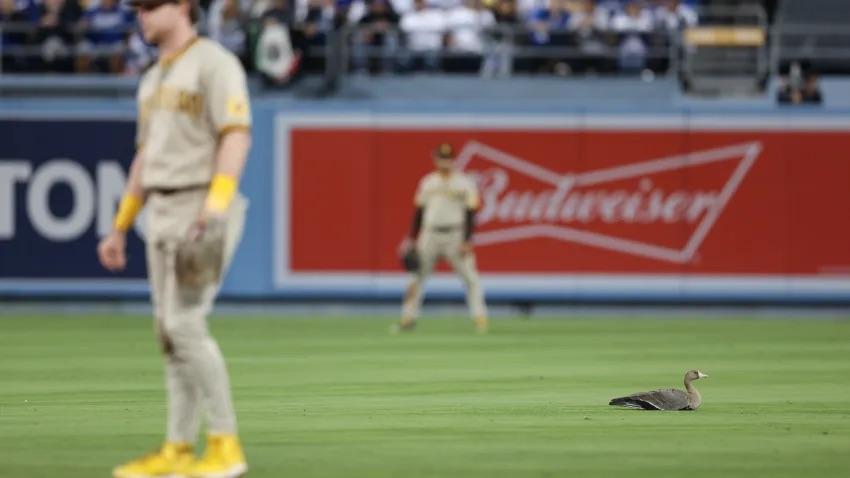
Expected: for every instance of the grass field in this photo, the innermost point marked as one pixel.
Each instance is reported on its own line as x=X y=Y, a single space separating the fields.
x=342 y=398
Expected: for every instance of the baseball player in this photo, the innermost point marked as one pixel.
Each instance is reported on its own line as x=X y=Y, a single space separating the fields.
x=193 y=139
x=446 y=201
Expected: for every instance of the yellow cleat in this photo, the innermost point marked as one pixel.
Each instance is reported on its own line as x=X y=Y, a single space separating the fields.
x=173 y=460
x=480 y=324
x=223 y=459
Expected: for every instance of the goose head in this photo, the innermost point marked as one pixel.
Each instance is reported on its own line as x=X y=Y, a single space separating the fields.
x=694 y=375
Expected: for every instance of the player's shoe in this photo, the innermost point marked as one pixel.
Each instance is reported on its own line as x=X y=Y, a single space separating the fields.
x=173 y=460
x=481 y=325
x=406 y=324
x=223 y=458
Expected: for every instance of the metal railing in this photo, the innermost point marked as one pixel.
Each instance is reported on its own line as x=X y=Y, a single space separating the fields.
x=337 y=55
x=734 y=44
x=514 y=34
x=826 y=46
x=513 y=42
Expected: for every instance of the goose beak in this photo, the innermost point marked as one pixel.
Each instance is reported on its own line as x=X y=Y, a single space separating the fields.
x=702 y=375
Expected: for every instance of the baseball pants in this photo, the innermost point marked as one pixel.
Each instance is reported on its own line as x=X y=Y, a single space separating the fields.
x=195 y=371
x=432 y=246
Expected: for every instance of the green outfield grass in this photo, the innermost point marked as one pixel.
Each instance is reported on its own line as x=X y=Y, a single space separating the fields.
x=341 y=398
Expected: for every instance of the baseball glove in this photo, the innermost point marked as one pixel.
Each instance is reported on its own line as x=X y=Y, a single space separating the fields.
x=200 y=255
x=410 y=260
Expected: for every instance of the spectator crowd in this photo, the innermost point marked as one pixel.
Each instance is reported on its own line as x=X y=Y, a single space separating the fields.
x=490 y=37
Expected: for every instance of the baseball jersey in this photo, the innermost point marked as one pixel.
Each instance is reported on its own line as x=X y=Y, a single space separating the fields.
x=186 y=103
x=446 y=199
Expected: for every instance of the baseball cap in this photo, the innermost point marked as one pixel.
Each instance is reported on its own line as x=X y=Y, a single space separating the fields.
x=444 y=151
x=194 y=11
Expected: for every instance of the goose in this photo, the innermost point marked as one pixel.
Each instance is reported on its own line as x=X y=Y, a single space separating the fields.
x=665 y=399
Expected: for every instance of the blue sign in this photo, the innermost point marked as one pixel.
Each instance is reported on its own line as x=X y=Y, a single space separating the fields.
x=60 y=183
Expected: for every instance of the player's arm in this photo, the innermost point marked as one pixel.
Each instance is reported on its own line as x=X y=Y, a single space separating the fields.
x=134 y=196
x=227 y=94
x=111 y=249
x=230 y=162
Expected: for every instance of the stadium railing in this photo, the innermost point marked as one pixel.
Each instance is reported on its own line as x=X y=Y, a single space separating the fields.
x=726 y=54
x=825 y=46
x=675 y=54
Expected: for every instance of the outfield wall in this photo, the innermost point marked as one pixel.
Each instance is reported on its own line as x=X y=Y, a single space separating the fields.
x=674 y=205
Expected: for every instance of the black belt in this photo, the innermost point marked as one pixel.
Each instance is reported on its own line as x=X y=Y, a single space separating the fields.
x=169 y=191
x=444 y=229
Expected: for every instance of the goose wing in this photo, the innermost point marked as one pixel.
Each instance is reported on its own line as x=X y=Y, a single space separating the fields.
x=664 y=399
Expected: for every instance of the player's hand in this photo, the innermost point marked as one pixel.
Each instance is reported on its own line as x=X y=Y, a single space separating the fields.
x=199 y=227
x=465 y=249
x=196 y=230
x=112 y=251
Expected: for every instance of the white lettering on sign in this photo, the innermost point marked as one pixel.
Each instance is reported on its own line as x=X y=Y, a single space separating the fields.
x=523 y=200
x=565 y=204
x=11 y=172
x=60 y=171
x=94 y=200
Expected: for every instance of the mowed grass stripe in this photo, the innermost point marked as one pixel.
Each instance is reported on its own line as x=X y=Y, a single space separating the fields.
x=329 y=397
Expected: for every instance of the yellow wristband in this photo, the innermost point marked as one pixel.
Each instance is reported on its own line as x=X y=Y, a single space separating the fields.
x=127 y=212
x=222 y=189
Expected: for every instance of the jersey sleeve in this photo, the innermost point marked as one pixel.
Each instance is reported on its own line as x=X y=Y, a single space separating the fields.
x=227 y=95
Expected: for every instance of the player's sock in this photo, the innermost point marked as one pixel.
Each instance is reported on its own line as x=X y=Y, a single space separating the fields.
x=412 y=304
x=475 y=301
x=183 y=401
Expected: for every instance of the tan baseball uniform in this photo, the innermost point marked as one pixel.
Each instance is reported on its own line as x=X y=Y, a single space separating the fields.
x=445 y=201
x=185 y=104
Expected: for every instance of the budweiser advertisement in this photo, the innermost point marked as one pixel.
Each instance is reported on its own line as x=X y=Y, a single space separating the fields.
x=577 y=203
